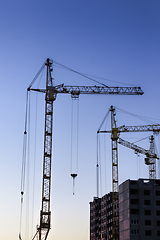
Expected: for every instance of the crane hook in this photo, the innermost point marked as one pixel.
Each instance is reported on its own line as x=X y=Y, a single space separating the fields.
x=73 y=175
x=20 y=237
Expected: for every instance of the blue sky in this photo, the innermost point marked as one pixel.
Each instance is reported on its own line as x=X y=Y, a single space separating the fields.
x=115 y=40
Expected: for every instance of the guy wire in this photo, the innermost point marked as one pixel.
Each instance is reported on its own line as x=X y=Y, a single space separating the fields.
x=77 y=133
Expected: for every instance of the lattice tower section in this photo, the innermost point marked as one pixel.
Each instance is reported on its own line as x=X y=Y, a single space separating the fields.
x=152 y=165
x=45 y=214
x=115 y=188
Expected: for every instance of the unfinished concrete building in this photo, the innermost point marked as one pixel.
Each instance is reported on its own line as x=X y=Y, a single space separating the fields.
x=139 y=212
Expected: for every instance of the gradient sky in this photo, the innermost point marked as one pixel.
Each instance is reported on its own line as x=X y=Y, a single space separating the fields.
x=118 y=40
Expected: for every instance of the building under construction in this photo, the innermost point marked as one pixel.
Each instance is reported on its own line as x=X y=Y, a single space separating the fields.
x=101 y=217
x=139 y=212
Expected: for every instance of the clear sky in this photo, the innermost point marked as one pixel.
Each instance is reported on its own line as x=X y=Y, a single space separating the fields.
x=118 y=40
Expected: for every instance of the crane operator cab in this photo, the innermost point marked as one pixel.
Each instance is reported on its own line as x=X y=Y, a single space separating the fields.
x=51 y=93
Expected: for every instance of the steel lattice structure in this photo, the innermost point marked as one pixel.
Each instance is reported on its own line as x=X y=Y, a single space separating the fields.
x=77 y=90
x=155 y=128
x=151 y=156
x=115 y=185
x=45 y=214
x=151 y=161
x=50 y=96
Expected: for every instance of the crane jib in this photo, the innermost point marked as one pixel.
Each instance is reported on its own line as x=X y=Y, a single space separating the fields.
x=77 y=90
x=99 y=90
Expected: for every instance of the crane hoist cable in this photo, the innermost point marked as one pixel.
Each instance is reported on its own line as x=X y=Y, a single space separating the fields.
x=25 y=151
x=74 y=165
x=24 y=158
x=34 y=160
x=100 y=165
x=105 y=162
x=28 y=175
x=35 y=143
x=97 y=167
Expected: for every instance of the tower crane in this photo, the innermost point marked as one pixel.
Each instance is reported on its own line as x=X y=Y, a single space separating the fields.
x=151 y=156
x=51 y=92
x=115 y=133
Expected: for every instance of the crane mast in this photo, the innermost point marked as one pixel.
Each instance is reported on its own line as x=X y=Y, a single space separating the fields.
x=50 y=95
x=115 y=186
x=151 y=161
x=45 y=214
